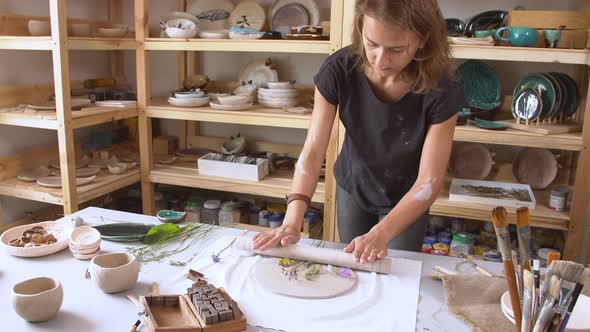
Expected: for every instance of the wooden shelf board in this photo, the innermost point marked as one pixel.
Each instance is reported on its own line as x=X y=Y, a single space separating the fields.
x=186 y=174
x=103 y=184
x=86 y=117
x=257 y=115
x=235 y=45
x=524 y=54
x=470 y=133
x=26 y=43
x=541 y=216
x=101 y=43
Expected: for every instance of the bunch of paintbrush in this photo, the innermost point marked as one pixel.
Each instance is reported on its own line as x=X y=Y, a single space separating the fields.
x=536 y=307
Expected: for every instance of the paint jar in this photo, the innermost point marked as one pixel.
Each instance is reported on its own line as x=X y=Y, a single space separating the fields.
x=244 y=208
x=229 y=214
x=254 y=211
x=492 y=255
x=444 y=237
x=430 y=239
x=462 y=244
x=558 y=198
x=311 y=217
x=458 y=225
x=263 y=218
x=440 y=249
x=210 y=212
x=275 y=220
x=193 y=210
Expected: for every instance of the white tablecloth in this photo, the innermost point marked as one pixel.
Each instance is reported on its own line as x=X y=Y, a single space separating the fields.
x=86 y=308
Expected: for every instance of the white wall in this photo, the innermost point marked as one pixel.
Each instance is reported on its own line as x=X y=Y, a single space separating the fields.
x=32 y=67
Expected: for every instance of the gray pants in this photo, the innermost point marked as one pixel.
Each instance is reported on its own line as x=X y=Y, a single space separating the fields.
x=354 y=221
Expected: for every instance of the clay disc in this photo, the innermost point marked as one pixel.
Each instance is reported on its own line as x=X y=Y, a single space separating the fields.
x=328 y=284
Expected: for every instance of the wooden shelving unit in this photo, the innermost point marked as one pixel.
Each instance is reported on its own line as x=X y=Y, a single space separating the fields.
x=521 y=54
x=64 y=120
x=233 y=45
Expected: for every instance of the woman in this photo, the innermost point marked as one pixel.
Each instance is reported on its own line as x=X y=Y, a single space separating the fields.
x=398 y=102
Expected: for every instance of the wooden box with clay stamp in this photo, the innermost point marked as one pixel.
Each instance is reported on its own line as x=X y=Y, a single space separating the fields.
x=205 y=309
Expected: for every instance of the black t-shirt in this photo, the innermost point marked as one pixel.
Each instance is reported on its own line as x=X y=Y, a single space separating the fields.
x=380 y=157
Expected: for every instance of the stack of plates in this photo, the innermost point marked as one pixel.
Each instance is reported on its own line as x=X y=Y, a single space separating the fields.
x=278 y=95
x=545 y=96
x=85 y=242
x=193 y=98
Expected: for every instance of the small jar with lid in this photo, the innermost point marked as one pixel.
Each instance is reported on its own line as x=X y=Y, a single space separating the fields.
x=558 y=198
x=229 y=214
x=244 y=209
x=275 y=220
x=263 y=217
x=193 y=210
x=210 y=212
x=462 y=244
x=254 y=212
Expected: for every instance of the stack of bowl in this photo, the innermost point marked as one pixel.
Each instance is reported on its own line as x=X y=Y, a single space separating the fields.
x=192 y=98
x=85 y=242
x=232 y=103
x=278 y=95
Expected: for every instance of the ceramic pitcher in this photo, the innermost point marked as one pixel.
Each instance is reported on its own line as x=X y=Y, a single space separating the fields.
x=519 y=36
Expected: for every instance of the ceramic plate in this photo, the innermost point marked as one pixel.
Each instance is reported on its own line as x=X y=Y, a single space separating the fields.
x=55 y=181
x=188 y=102
x=306 y=37
x=290 y=15
x=76 y=103
x=82 y=172
x=535 y=167
x=102 y=163
x=277 y=99
x=277 y=104
x=83 y=162
x=311 y=7
x=527 y=104
x=220 y=107
x=245 y=36
x=214 y=34
x=488 y=20
x=573 y=97
x=560 y=95
x=212 y=14
x=33 y=175
x=116 y=103
x=253 y=13
x=471 y=161
x=541 y=83
x=579 y=320
x=278 y=92
x=60 y=232
x=481 y=87
x=328 y=284
x=455 y=27
x=486 y=41
x=259 y=73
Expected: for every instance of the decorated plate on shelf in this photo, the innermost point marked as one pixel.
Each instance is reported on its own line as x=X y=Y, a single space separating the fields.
x=55 y=181
x=76 y=104
x=239 y=107
x=259 y=72
x=543 y=86
x=212 y=14
x=288 y=16
x=310 y=6
x=248 y=14
x=536 y=167
x=560 y=95
x=527 y=105
x=572 y=95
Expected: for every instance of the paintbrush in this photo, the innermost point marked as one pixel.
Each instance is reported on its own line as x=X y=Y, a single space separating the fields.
x=524 y=236
x=134 y=326
x=500 y=220
x=536 y=290
x=571 y=274
x=570 y=308
x=546 y=311
x=527 y=300
x=517 y=271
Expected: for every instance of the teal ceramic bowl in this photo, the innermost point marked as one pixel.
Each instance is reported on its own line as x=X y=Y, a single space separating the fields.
x=481 y=86
x=170 y=216
x=483 y=33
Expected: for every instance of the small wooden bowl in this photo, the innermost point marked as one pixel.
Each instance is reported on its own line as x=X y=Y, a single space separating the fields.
x=535 y=167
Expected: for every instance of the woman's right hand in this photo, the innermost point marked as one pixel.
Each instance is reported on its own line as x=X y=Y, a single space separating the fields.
x=285 y=235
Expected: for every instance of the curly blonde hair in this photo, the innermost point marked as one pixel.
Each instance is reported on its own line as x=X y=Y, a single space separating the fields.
x=432 y=62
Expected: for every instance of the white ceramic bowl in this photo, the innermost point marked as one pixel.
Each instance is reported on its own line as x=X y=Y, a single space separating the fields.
x=118 y=31
x=189 y=95
x=39 y=28
x=37 y=299
x=280 y=85
x=85 y=251
x=181 y=28
x=85 y=237
x=117 y=168
x=233 y=100
x=114 y=272
x=80 y=29
x=215 y=96
x=214 y=34
x=188 y=102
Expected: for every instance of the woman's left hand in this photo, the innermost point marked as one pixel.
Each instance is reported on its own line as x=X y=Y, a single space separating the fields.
x=368 y=247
